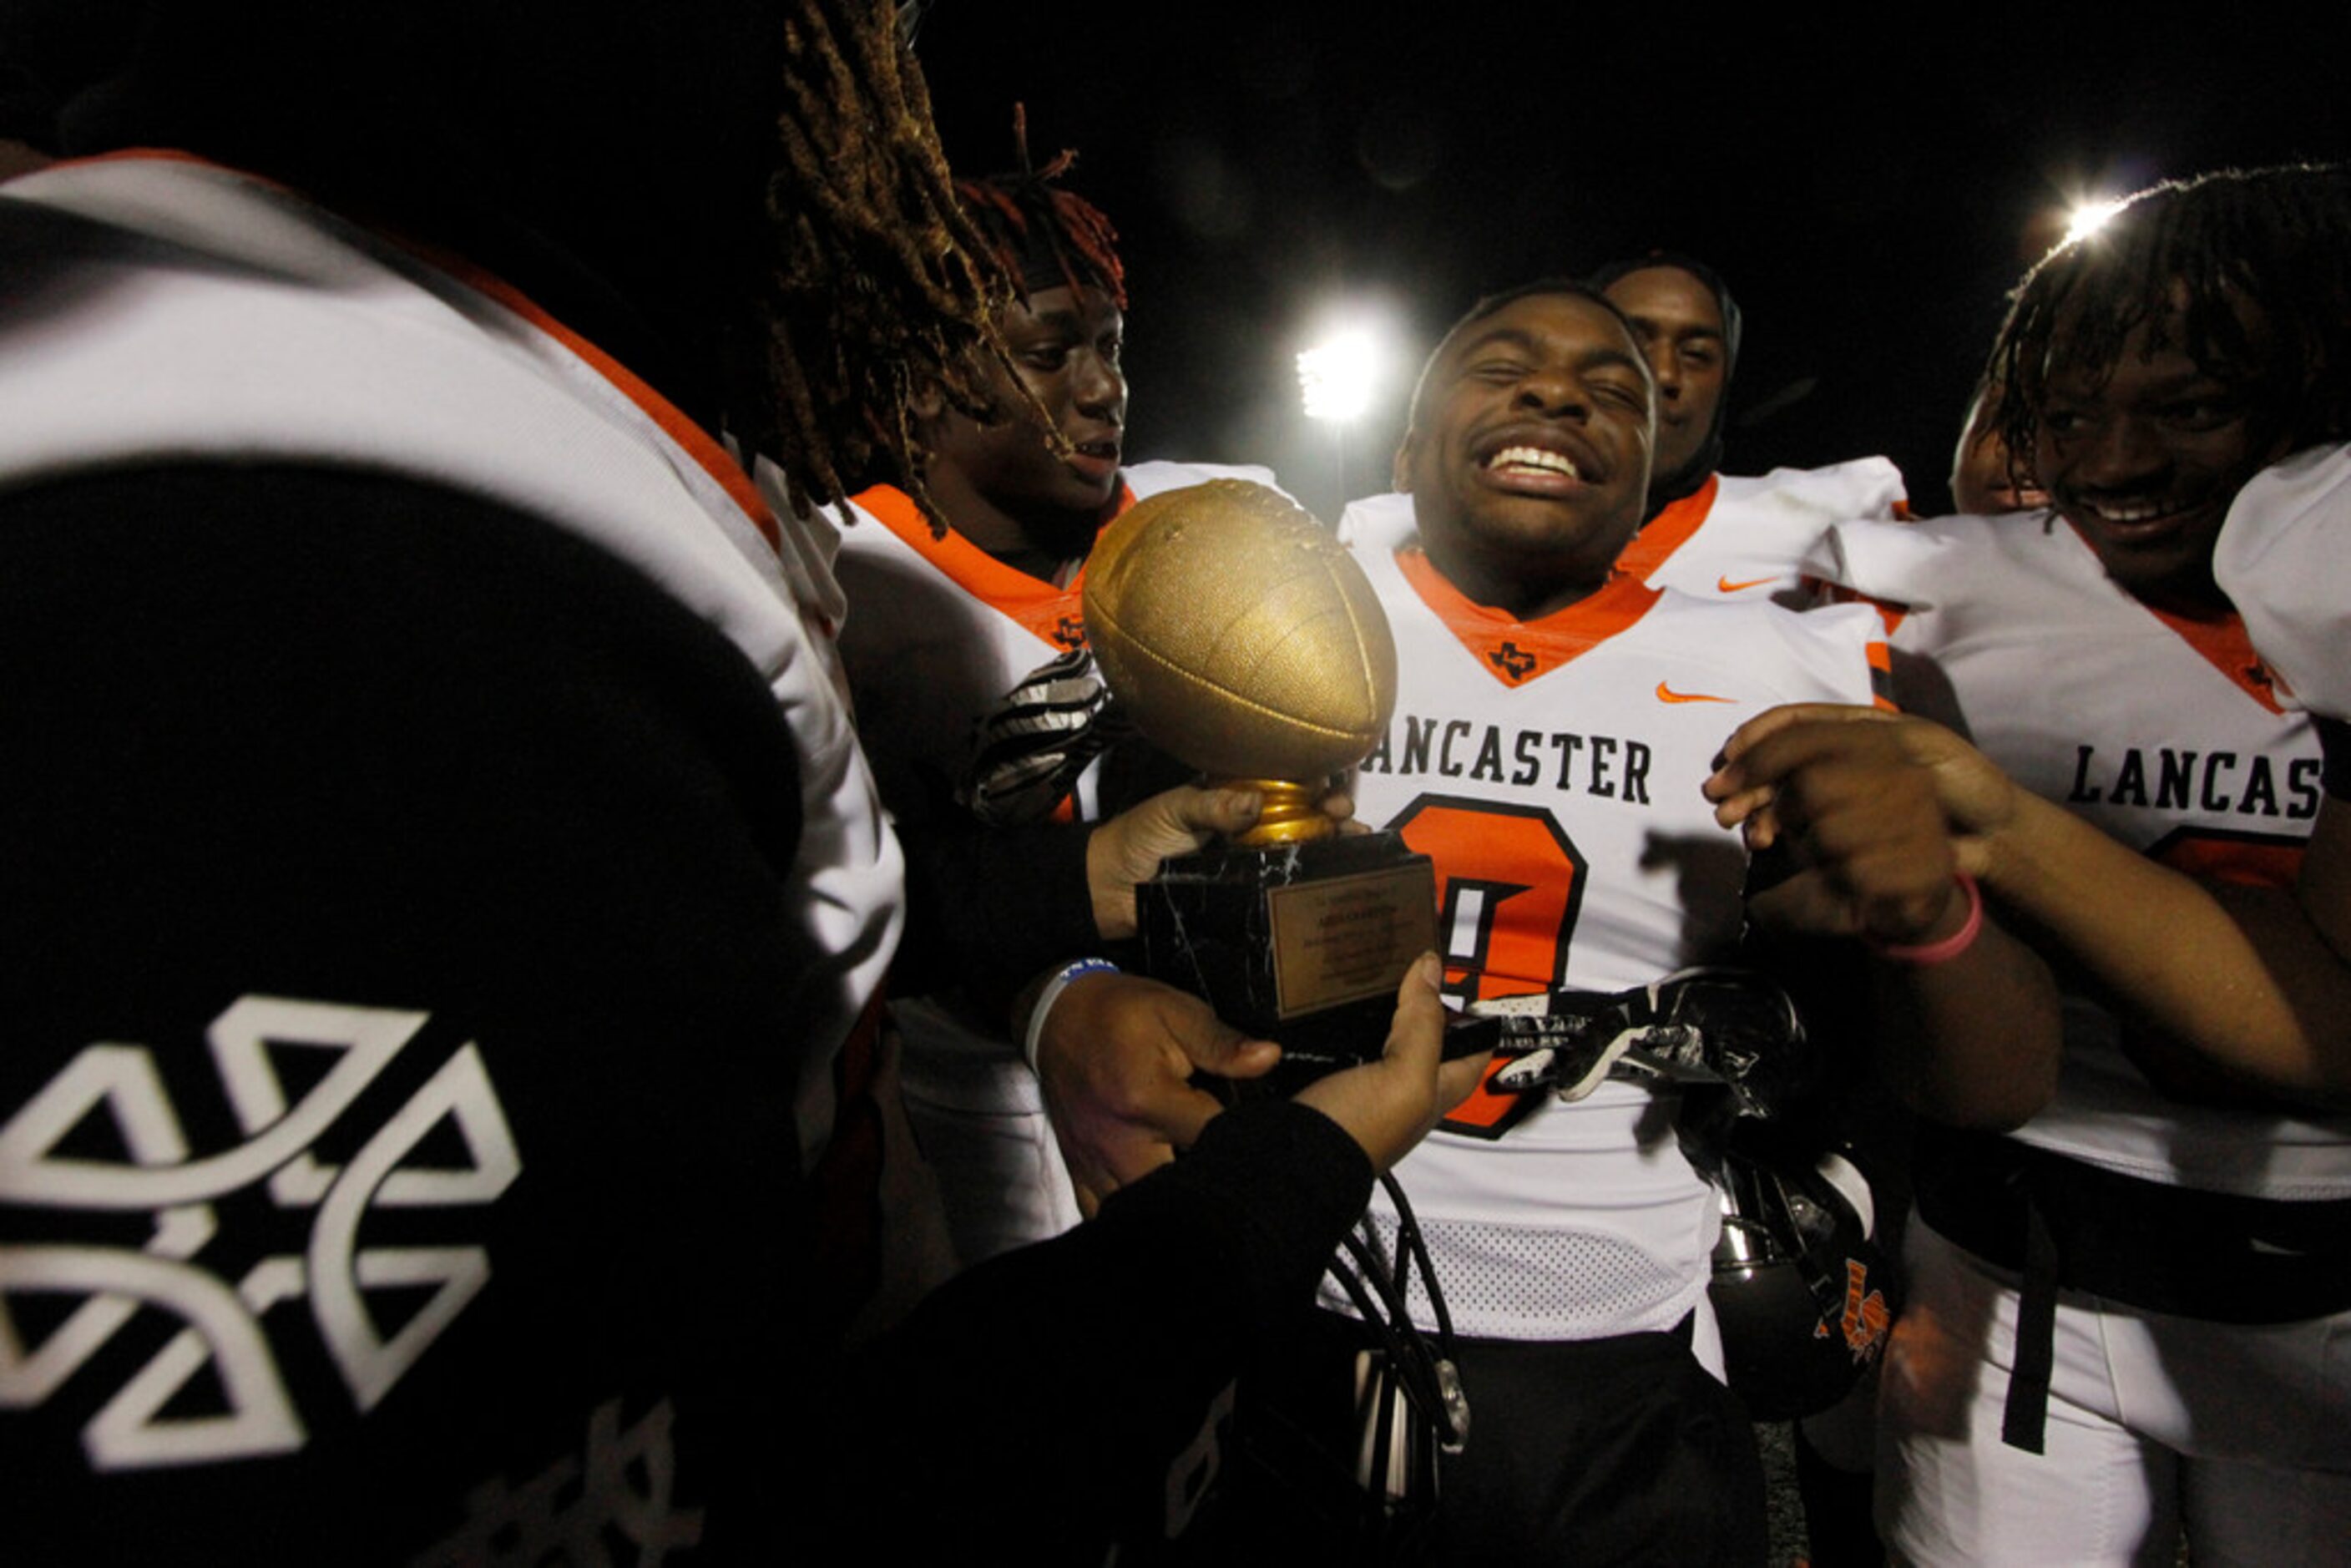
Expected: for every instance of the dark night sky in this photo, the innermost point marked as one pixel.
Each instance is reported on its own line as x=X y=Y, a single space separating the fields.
x=1870 y=204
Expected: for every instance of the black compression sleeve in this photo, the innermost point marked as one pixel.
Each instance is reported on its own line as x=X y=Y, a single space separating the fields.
x=2335 y=742
x=1037 y=1401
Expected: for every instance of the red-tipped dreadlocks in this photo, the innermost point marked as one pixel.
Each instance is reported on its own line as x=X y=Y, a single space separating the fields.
x=1045 y=237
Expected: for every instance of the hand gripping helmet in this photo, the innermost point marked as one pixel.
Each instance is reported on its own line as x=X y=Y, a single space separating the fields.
x=1805 y=1296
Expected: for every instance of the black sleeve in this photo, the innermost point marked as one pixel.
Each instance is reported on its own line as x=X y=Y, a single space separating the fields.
x=989 y=907
x=1038 y=1401
x=399 y=1023
x=986 y=908
x=2334 y=744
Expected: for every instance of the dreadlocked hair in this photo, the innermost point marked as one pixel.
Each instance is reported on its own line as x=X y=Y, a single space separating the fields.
x=2248 y=272
x=878 y=283
x=1037 y=237
x=1023 y=213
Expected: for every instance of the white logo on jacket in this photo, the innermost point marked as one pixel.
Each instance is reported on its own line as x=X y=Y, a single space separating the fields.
x=119 y=1090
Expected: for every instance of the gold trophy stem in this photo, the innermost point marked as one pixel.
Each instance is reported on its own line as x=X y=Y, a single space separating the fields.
x=1292 y=813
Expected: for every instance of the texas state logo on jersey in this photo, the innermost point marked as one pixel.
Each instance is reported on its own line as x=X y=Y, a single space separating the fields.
x=1733 y=537
x=1551 y=769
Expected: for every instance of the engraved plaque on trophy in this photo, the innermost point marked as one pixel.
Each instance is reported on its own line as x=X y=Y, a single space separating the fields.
x=1243 y=641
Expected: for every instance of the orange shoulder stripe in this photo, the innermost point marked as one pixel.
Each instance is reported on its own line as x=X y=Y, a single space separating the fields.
x=696 y=442
x=2220 y=640
x=1667 y=531
x=1040 y=607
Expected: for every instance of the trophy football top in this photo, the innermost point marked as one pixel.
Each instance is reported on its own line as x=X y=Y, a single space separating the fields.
x=1242 y=638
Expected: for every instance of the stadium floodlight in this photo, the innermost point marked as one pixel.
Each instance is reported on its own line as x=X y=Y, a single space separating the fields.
x=2088 y=217
x=1338 y=376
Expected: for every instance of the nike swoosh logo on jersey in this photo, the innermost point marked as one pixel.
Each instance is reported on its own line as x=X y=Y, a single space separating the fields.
x=1724 y=584
x=1665 y=694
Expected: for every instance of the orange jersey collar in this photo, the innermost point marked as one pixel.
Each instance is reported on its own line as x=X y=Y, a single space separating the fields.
x=2221 y=641
x=1515 y=652
x=1054 y=614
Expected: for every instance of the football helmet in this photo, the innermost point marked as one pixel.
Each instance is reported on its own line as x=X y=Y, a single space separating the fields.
x=1804 y=1295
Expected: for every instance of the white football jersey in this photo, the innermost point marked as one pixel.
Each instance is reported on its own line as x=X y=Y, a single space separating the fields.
x=2161 y=730
x=1551 y=769
x=280 y=331
x=938 y=633
x=1733 y=537
x=2285 y=560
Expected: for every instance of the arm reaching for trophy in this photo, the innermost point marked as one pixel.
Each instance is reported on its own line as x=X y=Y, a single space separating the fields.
x=1018 y=1401
x=1116 y=1054
x=1389 y=1104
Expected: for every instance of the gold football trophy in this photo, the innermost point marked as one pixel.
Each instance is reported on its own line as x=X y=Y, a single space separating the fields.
x=1244 y=642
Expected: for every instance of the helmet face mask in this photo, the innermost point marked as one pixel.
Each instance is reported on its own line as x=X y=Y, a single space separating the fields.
x=1801 y=1290
x=1728 y=1030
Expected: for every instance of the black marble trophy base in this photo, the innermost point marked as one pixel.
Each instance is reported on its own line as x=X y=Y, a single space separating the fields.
x=1301 y=944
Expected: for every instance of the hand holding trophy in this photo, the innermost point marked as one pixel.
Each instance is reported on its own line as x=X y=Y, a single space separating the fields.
x=1244 y=641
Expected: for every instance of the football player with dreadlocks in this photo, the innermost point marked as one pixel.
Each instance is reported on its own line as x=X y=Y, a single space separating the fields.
x=2124 y=1316
x=442 y=883
x=966 y=646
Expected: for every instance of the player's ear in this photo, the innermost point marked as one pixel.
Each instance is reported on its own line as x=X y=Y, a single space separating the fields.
x=927 y=404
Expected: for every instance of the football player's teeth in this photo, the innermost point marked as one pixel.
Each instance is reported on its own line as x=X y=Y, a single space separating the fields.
x=1532 y=457
x=2135 y=514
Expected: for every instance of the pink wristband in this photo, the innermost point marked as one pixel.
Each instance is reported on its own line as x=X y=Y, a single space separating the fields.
x=1926 y=955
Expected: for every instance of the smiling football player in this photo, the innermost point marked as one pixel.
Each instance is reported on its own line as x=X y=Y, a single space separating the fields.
x=2178 y=1228
x=942 y=622
x=1701 y=531
x=1555 y=717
